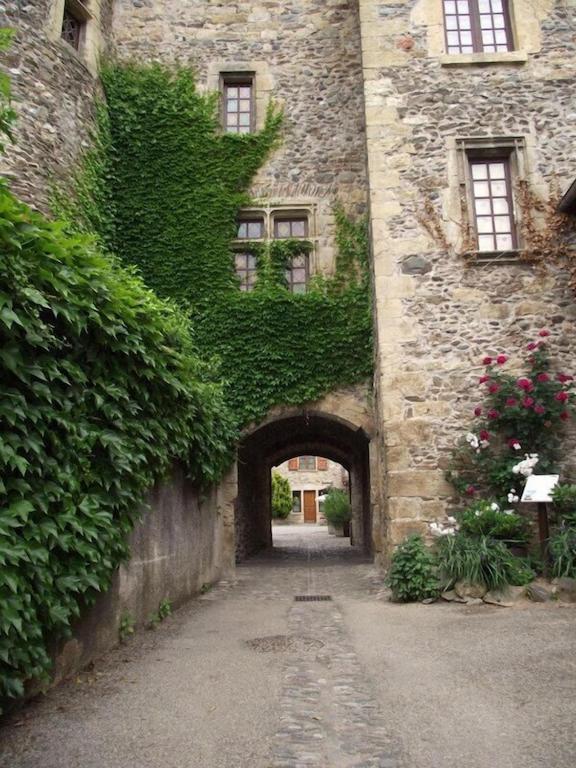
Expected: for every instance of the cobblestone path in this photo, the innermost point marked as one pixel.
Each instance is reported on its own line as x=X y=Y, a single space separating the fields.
x=248 y=677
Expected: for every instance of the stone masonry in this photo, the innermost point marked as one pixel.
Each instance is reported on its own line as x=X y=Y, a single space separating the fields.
x=375 y=111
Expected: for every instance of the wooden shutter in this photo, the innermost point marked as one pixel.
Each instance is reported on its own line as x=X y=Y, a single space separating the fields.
x=293 y=463
x=322 y=463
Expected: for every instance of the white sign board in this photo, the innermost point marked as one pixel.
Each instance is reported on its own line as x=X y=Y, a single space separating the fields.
x=539 y=488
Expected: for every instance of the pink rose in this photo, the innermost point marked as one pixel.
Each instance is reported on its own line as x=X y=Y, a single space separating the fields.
x=542 y=377
x=540 y=410
x=501 y=359
x=487 y=361
x=511 y=401
x=532 y=346
x=525 y=384
x=484 y=435
x=528 y=402
x=564 y=415
x=478 y=410
x=561 y=396
x=470 y=491
x=544 y=333
x=493 y=414
x=513 y=442
x=493 y=388
x=564 y=377
x=483 y=379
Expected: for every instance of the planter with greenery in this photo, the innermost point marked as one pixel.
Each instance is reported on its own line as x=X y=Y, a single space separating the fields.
x=338 y=510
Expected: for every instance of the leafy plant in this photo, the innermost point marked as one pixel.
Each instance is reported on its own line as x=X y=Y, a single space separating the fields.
x=102 y=390
x=126 y=627
x=562 y=549
x=281 y=496
x=337 y=508
x=564 y=498
x=480 y=560
x=164 y=610
x=485 y=518
x=156 y=133
x=413 y=571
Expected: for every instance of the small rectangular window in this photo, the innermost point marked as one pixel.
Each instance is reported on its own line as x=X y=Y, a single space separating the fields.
x=288 y=228
x=238 y=109
x=493 y=207
x=296 y=502
x=246 y=270
x=477 y=26
x=307 y=463
x=76 y=15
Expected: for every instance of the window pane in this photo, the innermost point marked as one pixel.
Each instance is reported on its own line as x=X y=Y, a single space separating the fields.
x=484 y=6
x=298 y=228
x=504 y=242
x=298 y=275
x=501 y=37
x=487 y=38
x=496 y=6
x=485 y=224
x=481 y=189
x=479 y=171
x=464 y=22
x=244 y=119
x=498 y=21
x=485 y=243
x=242 y=230
x=450 y=6
x=299 y=261
x=255 y=229
x=232 y=92
x=467 y=49
x=244 y=129
x=251 y=261
x=240 y=260
x=497 y=171
x=232 y=105
x=299 y=288
x=502 y=223
x=451 y=22
x=283 y=229
x=483 y=207
x=498 y=188
x=462 y=6
x=245 y=92
x=500 y=205
x=453 y=38
x=466 y=38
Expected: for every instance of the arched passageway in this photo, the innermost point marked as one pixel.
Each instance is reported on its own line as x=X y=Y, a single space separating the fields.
x=310 y=433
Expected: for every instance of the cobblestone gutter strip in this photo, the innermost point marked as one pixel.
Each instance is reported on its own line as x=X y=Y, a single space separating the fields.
x=329 y=715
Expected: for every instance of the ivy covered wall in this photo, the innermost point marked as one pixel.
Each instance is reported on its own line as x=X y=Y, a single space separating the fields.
x=163 y=187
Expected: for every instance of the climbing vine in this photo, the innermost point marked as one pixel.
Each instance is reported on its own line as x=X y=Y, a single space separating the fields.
x=167 y=192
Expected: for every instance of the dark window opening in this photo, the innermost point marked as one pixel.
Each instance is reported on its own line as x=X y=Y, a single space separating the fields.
x=74 y=21
x=246 y=270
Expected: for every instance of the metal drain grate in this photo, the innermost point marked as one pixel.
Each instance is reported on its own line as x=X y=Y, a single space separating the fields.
x=312 y=598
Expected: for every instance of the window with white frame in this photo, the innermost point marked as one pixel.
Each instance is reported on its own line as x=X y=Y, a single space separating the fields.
x=489 y=169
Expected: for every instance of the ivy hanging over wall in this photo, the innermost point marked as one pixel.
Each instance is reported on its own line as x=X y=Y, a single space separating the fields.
x=173 y=187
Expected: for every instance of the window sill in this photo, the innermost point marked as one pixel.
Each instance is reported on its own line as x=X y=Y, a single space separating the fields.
x=495 y=257
x=480 y=59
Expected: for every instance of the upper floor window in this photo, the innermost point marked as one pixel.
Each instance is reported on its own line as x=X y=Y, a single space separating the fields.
x=477 y=26
x=238 y=103
x=276 y=224
x=307 y=463
x=74 y=20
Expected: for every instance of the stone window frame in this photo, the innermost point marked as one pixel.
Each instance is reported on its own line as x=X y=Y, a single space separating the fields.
x=87 y=11
x=526 y=32
x=262 y=81
x=513 y=150
x=269 y=214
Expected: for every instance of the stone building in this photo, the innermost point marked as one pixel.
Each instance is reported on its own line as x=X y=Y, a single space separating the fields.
x=428 y=114
x=310 y=477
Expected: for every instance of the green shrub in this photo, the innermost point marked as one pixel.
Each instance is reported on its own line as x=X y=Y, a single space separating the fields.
x=480 y=560
x=281 y=496
x=562 y=549
x=337 y=508
x=101 y=391
x=485 y=518
x=412 y=573
x=564 y=498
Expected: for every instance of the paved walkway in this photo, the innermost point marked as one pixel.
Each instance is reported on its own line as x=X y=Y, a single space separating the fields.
x=247 y=677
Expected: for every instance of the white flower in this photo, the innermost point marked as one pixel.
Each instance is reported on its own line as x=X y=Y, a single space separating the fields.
x=439 y=529
x=512 y=497
x=508 y=511
x=451 y=520
x=516 y=446
x=472 y=440
x=494 y=507
x=526 y=467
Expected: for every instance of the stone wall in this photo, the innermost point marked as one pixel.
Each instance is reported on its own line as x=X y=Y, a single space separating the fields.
x=437 y=317
x=306 y=56
x=180 y=544
x=54 y=90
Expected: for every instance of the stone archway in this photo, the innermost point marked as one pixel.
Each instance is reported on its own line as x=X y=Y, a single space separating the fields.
x=295 y=433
